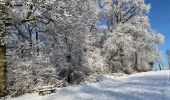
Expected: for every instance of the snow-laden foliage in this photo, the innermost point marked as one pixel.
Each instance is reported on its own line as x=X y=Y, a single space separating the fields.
x=131 y=43
x=59 y=42
x=45 y=41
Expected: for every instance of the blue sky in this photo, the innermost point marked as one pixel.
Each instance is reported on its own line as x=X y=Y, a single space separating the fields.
x=160 y=21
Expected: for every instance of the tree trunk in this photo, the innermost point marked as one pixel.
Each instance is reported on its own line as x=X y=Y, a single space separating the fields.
x=37 y=46
x=136 y=61
x=123 y=59
x=169 y=63
x=160 y=67
x=2 y=70
x=2 y=51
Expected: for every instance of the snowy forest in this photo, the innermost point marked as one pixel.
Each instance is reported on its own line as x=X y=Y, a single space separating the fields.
x=66 y=42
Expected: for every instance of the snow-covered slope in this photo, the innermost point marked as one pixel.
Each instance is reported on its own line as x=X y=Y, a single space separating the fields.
x=141 y=86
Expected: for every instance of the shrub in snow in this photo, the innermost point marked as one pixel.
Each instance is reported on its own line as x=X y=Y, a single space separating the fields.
x=118 y=74
x=76 y=77
x=93 y=78
x=128 y=70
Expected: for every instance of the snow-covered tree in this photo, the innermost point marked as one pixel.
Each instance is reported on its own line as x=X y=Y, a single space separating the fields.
x=53 y=41
x=34 y=27
x=130 y=34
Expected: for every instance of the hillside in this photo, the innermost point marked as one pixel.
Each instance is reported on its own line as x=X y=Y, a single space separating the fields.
x=141 y=86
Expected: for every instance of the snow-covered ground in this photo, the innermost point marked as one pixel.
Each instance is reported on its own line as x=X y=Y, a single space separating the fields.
x=141 y=86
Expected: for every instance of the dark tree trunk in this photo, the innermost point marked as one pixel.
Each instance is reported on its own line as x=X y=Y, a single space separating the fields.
x=2 y=52
x=122 y=58
x=160 y=67
x=136 y=62
x=2 y=70
x=168 y=56
x=37 y=47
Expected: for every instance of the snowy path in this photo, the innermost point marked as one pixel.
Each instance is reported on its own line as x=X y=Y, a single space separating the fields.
x=142 y=86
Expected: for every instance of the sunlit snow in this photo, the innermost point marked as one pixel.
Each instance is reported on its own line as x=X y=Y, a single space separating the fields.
x=141 y=86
